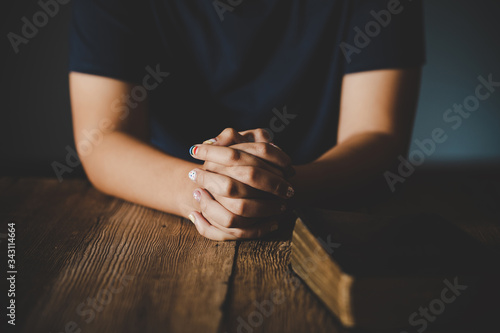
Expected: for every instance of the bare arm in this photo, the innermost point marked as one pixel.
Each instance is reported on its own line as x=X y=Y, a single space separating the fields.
x=377 y=111
x=122 y=163
x=376 y=117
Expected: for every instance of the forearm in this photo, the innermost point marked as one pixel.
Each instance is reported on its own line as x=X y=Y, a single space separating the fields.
x=127 y=168
x=346 y=169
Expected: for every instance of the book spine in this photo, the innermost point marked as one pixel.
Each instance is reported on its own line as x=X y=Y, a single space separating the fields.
x=344 y=300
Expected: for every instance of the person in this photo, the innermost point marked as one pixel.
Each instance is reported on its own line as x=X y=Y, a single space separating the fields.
x=229 y=113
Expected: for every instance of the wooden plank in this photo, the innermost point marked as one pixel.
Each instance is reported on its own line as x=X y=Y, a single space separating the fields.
x=266 y=296
x=147 y=271
x=153 y=272
x=262 y=265
x=76 y=243
x=41 y=209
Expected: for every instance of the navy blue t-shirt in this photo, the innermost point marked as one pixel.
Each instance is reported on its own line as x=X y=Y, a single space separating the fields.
x=275 y=64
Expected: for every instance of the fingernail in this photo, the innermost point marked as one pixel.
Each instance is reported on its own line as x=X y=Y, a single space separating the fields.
x=210 y=142
x=192 y=218
x=274 y=227
x=272 y=144
x=290 y=192
x=197 y=195
x=192 y=175
x=193 y=150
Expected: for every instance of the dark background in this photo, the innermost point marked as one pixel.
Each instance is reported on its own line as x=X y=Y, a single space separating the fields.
x=463 y=42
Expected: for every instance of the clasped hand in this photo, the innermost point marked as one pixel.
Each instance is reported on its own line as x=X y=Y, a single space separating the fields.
x=243 y=187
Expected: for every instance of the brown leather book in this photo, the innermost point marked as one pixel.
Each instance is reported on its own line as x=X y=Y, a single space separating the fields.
x=387 y=272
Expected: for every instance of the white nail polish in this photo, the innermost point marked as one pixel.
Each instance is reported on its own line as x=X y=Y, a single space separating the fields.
x=209 y=142
x=192 y=175
x=197 y=195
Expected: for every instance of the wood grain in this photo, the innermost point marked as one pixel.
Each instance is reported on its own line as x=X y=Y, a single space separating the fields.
x=92 y=262
x=268 y=297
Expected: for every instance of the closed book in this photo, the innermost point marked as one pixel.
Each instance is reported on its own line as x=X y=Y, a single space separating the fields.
x=380 y=272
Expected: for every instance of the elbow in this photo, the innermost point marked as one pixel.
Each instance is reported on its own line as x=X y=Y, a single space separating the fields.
x=96 y=181
x=390 y=147
x=93 y=167
x=92 y=173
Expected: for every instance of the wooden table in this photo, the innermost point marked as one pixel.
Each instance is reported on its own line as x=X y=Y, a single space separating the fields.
x=86 y=261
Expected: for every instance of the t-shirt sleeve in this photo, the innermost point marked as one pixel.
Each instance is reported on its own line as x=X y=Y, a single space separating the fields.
x=384 y=34
x=105 y=38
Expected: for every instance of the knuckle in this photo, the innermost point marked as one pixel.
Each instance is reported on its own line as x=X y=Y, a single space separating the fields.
x=238 y=233
x=238 y=207
x=234 y=155
x=230 y=188
x=230 y=221
x=263 y=134
x=252 y=175
x=229 y=131
x=262 y=149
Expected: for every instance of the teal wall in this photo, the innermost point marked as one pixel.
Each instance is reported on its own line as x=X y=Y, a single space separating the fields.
x=463 y=42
